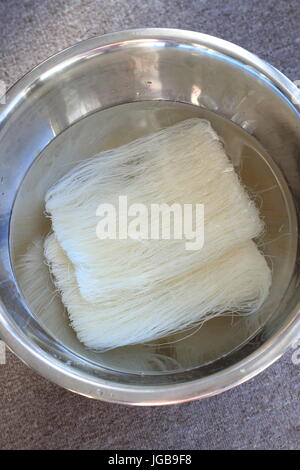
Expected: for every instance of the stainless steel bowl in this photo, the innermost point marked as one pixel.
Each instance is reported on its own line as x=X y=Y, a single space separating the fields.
x=125 y=67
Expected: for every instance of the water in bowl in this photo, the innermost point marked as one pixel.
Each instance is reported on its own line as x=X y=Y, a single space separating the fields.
x=116 y=126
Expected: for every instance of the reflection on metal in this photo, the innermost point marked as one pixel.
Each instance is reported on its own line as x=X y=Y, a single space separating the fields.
x=196 y=92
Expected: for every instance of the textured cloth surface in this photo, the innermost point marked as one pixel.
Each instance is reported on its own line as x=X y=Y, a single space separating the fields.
x=264 y=413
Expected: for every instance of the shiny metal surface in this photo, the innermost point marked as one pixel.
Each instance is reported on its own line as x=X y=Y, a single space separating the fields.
x=137 y=65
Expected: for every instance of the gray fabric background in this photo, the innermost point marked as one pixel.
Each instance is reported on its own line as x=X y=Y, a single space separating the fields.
x=35 y=414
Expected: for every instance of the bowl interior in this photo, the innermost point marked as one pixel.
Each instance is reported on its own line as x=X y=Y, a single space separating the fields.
x=106 y=96
x=118 y=125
